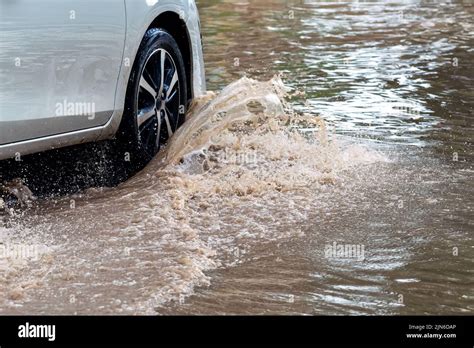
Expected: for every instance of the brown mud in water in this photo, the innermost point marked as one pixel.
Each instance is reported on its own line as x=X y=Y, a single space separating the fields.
x=247 y=209
x=241 y=173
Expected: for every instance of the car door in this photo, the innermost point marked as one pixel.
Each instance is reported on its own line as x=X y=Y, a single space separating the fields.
x=59 y=65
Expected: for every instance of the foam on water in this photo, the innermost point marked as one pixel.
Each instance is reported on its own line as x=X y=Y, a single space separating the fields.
x=247 y=140
x=18 y=250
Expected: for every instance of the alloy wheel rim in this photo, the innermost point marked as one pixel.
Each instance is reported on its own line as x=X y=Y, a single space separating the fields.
x=158 y=100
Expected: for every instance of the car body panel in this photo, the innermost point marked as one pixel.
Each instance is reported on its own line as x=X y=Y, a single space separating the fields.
x=140 y=14
x=59 y=65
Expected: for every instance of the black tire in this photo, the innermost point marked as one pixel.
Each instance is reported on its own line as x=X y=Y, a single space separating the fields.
x=142 y=99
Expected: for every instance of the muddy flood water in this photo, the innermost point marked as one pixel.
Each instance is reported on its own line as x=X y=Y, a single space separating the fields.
x=328 y=171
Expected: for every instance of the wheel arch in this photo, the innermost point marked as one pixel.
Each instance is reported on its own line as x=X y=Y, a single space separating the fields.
x=185 y=31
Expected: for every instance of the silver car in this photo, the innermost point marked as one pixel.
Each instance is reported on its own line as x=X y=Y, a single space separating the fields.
x=75 y=71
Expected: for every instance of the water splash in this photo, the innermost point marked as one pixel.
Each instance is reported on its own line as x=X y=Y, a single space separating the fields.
x=235 y=176
x=247 y=140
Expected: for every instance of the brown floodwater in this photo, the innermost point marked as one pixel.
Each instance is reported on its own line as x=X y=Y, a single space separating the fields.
x=329 y=172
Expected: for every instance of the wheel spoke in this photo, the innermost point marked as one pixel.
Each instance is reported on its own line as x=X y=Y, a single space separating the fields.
x=145 y=115
x=168 y=123
x=162 y=71
x=150 y=78
x=172 y=84
x=147 y=87
x=170 y=98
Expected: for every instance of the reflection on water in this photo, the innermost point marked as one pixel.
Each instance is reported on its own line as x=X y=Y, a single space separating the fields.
x=398 y=71
x=253 y=209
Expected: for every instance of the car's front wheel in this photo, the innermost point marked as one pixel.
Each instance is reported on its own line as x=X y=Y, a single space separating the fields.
x=156 y=97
